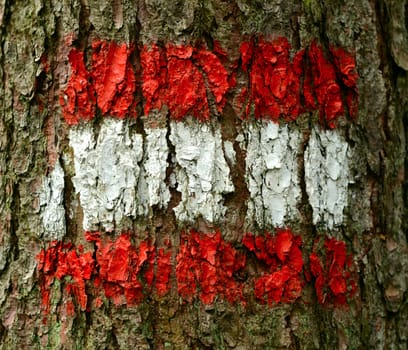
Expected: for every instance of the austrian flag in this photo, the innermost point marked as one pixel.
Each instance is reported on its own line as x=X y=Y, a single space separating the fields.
x=158 y=139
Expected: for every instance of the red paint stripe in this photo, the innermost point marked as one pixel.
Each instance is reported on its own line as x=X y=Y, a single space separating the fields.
x=113 y=78
x=206 y=267
x=182 y=77
x=78 y=100
x=60 y=260
x=281 y=253
x=333 y=270
x=274 y=81
x=172 y=77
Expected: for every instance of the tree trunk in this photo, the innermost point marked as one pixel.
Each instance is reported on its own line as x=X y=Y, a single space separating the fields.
x=203 y=174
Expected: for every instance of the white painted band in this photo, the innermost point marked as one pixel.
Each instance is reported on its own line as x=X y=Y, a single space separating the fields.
x=119 y=175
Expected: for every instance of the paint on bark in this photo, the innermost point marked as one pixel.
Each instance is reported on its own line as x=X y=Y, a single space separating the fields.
x=60 y=260
x=274 y=81
x=113 y=78
x=152 y=188
x=282 y=281
x=106 y=172
x=322 y=88
x=272 y=173
x=177 y=76
x=78 y=101
x=335 y=276
x=206 y=265
x=124 y=268
x=52 y=205
x=202 y=173
x=327 y=176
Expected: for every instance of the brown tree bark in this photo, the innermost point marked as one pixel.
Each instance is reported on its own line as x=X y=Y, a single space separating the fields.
x=36 y=38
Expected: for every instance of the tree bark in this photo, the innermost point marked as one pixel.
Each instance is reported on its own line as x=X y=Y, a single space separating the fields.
x=49 y=195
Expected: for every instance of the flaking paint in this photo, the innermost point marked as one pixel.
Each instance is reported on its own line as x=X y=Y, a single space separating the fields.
x=78 y=100
x=181 y=77
x=272 y=173
x=334 y=272
x=113 y=78
x=152 y=188
x=274 y=80
x=52 y=209
x=282 y=281
x=205 y=267
x=107 y=170
x=202 y=173
x=327 y=176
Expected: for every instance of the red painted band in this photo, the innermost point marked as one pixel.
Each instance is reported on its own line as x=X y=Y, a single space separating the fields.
x=206 y=267
x=186 y=79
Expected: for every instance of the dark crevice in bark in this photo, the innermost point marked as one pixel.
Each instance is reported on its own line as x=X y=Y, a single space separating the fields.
x=309 y=231
x=175 y=196
x=237 y=200
x=323 y=26
x=85 y=26
x=405 y=183
x=384 y=55
x=114 y=340
x=149 y=316
x=295 y=26
x=15 y=218
x=88 y=315
x=391 y=126
x=204 y=24
x=3 y=33
x=69 y=193
x=135 y=62
x=3 y=333
x=6 y=17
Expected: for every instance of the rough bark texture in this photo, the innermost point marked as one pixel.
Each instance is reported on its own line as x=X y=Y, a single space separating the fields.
x=40 y=163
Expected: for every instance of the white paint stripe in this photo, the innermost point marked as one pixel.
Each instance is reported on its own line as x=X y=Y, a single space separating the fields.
x=272 y=173
x=327 y=176
x=106 y=172
x=153 y=190
x=202 y=173
x=115 y=180
x=51 y=203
